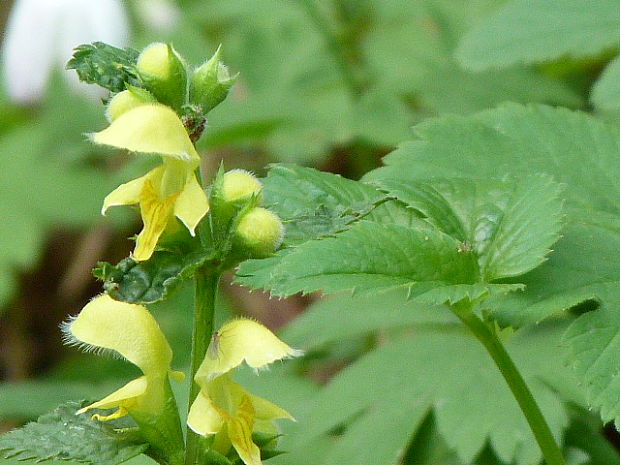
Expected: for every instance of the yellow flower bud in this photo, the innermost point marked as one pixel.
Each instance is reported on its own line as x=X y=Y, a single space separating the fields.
x=210 y=83
x=240 y=184
x=127 y=100
x=163 y=73
x=259 y=233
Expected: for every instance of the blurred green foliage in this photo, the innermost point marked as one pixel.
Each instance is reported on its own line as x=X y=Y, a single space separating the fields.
x=337 y=84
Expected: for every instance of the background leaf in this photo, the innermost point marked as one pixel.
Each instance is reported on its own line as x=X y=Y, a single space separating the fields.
x=606 y=90
x=526 y=31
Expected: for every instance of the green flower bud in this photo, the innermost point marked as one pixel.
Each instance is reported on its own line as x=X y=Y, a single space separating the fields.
x=238 y=185
x=163 y=73
x=126 y=100
x=210 y=83
x=259 y=233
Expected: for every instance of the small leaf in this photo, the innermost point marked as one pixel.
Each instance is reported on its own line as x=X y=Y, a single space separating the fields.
x=149 y=281
x=64 y=435
x=105 y=65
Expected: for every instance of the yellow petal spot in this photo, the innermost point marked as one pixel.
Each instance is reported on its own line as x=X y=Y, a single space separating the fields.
x=226 y=409
x=150 y=128
x=125 y=328
x=240 y=429
x=240 y=340
x=123 y=102
x=155 y=216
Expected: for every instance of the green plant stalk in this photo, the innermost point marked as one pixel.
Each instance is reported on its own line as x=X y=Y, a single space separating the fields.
x=207 y=281
x=516 y=383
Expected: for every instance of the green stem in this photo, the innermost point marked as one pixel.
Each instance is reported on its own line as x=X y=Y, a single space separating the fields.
x=336 y=46
x=535 y=418
x=207 y=281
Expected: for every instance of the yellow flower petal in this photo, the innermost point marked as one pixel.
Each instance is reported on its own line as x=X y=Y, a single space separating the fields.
x=123 y=398
x=155 y=216
x=128 y=329
x=240 y=429
x=125 y=194
x=191 y=204
x=204 y=417
x=240 y=340
x=149 y=128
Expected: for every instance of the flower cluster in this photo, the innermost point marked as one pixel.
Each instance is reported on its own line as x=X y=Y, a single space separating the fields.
x=223 y=408
x=163 y=118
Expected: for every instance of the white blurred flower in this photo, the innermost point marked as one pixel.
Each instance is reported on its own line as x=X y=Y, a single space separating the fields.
x=41 y=35
x=160 y=15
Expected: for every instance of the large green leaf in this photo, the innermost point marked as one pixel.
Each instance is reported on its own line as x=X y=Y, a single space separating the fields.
x=515 y=141
x=64 y=435
x=525 y=31
x=509 y=225
x=371 y=257
x=578 y=151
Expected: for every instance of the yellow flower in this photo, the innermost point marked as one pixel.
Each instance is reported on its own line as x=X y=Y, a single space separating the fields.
x=167 y=191
x=132 y=332
x=224 y=408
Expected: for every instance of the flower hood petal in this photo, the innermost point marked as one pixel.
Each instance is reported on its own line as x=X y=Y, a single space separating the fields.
x=150 y=128
x=128 y=329
x=240 y=340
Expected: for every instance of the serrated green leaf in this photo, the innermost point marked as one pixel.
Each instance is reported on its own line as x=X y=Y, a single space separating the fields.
x=526 y=31
x=149 y=281
x=594 y=342
x=509 y=225
x=606 y=91
x=64 y=435
x=515 y=141
x=107 y=66
x=370 y=257
x=315 y=204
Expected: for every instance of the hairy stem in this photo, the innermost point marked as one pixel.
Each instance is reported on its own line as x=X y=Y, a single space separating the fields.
x=207 y=281
x=523 y=395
